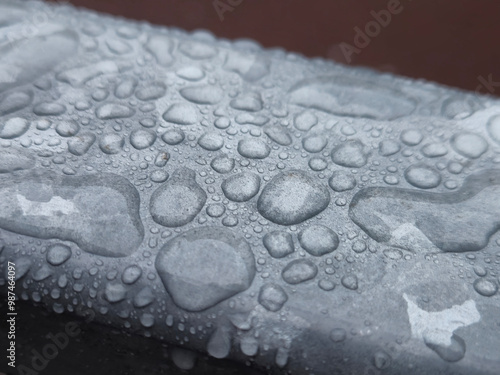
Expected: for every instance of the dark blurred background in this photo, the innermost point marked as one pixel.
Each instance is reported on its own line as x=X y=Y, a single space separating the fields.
x=454 y=42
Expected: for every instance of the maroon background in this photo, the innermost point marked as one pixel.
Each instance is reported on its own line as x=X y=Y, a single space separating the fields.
x=448 y=41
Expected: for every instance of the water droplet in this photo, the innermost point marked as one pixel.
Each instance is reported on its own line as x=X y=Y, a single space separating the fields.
x=388 y=147
x=67 y=128
x=142 y=138
x=326 y=285
x=350 y=154
x=411 y=137
x=351 y=96
x=15 y=101
x=159 y=176
x=115 y=292
x=434 y=150
x=160 y=46
x=249 y=346
x=222 y=123
x=251 y=119
x=493 y=127
x=281 y=358
x=427 y=223
x=450 y=353
x=251 y=67
x=216 y=210
x=203 y=94
x=338 y=334
x=222 y=164
x=190 y=73
x=247 y=102
x=42 y=273
x=173 y=137
x=314 y=143
x=49 y=109
x=125 y=88
x=292 y=197
x=177 y=201
x=147 y=320
x=66 y=207
x=359 y=246
x=197 y=50
x=393 y=254
x=253 y=149
x=304 y=121
x=318 y=164
x=350 y=282
x=205 y=266
x=58 y=254
x=299 y=271
x=241 y=187
x=342 y=181
x=469 y=145
x=219 y=344
x=111 y=143
x=131 y=274
x=80 y=145
x=381 y=360
x=486 y=287
x=278 y=244
x=272 y=297
x=211 y=141
x=13 y=128
x=183 y=358
x=278 y=135
x=422 y=176
x=318 y=240
x=153 y=91
x=181 y=113
x=144 y=298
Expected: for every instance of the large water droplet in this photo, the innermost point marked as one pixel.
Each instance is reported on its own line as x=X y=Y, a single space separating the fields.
x=205 y=266
x=13 y=128
x=141 y=138
x=241 y=186
x=318 y=240
x=202 y=94
x=278 y=244
x=181 y=113
x=253 y=149
x=58 y=254
x=292 y=197
x=178 y=200
x=486 y=287
x=272 y=297
x=469 y=145
x=350 y=154
x=298 y=271
x=131 y=274
x=422 y=176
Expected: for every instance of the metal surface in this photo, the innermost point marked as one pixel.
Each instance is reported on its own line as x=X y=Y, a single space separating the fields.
x=289 y=214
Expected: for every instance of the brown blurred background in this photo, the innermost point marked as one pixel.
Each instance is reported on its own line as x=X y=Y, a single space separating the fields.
x=454 y=42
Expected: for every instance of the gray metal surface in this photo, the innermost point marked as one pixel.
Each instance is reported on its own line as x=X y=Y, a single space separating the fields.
x=290 y=214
